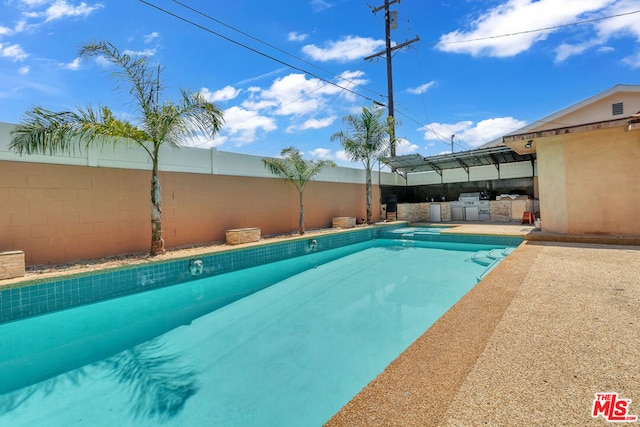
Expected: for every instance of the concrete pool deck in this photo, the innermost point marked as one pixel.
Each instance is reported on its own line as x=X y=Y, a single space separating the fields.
x=553 y=324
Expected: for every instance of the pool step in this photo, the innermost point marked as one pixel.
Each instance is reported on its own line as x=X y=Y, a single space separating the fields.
x=496 y=254
x=487 y=258
x=482 y=258
x=490 y=259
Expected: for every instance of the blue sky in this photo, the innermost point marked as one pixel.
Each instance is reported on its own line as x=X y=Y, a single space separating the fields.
x=480 y=70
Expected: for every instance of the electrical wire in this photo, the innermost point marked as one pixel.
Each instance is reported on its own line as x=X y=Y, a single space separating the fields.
x=244 y=33
x=586 y=21
x=254 y=50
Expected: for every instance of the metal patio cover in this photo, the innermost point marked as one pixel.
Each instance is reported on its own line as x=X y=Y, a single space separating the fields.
x=413 y=163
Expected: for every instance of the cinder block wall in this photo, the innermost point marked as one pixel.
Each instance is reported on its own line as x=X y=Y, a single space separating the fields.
x=60 y=213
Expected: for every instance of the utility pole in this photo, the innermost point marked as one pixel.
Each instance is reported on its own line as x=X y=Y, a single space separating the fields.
x=388 y=24
x=452 y=136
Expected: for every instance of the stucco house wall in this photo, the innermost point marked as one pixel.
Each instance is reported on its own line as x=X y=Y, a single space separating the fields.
x=589 y=182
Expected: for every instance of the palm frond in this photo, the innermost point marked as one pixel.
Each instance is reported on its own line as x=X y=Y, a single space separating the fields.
x=143 y=81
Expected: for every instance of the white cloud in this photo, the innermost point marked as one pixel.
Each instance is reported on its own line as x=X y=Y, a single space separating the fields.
x=13 y=52
x=321 y=153
x=566 y=50
x=241 y=126
x=224 y=94
x=146 y=52
x=73 y=65
x=421 y=89
x=470 y=134
x=320 y=5
x=516 y=16
x=312 y=124
x=61 y=9
x=633 y=61
x=292 y=94
x=24 y=70
x=342 y=156
x=296 y=37
x=348 y=49
x=404 y=147
x=34 y=3
x=149 y=38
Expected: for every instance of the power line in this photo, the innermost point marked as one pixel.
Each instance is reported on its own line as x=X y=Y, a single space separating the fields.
x=244 y=33
x=255 y=50
x=586 y=21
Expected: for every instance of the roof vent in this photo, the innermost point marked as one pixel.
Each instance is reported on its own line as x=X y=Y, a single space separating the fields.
x=616 y=108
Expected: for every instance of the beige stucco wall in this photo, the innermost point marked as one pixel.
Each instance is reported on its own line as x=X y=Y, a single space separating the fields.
x=551 y=185
x=60 y=213
x=589 y=182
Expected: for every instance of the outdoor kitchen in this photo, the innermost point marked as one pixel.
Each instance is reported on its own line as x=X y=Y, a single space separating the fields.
x=489 y=184
x=474 y=206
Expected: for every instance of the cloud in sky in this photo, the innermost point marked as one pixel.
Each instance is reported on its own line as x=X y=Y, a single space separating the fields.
x=404 y=147
x=242 y=126
x=313 y=124
x=225 y=94
x=145 y=52
x=516 y=16
x=421 y=89
x=321 y=153
x=73 y=65
x=470 y=134
x=633 y=61
x=292 y=94
x=296 y=37
x=149 y=38
x=320 y=5
x=61 y=9
x=346 y=49
x=13 y=52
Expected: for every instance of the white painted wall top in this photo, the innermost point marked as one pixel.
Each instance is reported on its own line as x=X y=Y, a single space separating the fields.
x=185 y=159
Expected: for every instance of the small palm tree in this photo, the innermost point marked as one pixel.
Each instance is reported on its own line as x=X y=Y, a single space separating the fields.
x=296 y=170
x=366 y=139
x=47 y=132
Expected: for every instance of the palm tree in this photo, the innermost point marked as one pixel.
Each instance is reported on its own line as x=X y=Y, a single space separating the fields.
x=366 y=139
x=47 y=132
x=296 y=170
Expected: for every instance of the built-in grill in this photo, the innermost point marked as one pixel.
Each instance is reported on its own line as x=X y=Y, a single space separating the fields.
x=469 y=207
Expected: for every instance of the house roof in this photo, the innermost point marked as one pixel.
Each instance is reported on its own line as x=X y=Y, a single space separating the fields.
x=565 y=111
x=497 y=152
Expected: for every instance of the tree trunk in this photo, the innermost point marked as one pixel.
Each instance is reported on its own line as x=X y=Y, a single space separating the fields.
x=157 y=242
x=369 y=194
x=301 y=222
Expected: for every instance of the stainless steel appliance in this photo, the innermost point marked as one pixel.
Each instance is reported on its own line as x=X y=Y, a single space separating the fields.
x=434 y=212
x=469 y=207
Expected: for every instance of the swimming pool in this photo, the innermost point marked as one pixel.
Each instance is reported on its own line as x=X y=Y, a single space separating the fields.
x=234 y=349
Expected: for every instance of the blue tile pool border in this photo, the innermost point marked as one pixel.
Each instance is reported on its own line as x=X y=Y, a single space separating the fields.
x=45 y=296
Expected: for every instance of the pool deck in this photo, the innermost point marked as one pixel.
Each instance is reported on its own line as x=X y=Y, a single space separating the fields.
x=530 y=345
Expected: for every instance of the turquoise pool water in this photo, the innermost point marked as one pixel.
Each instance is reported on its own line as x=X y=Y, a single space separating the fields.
x=287 y=343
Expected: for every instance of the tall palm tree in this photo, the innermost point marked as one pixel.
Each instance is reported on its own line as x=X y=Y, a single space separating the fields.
x=159 y=122
x=296 y=170
x=366 y=139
